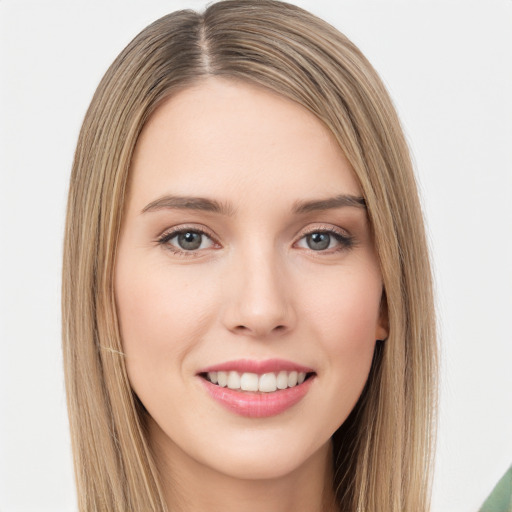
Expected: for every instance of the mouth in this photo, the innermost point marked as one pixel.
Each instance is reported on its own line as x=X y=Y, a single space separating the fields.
x=257 y=389
x=257 y=383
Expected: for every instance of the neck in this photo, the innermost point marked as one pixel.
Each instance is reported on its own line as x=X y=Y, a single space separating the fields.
x=191 y=486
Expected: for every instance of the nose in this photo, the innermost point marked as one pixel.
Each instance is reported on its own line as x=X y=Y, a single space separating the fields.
x=258 y=297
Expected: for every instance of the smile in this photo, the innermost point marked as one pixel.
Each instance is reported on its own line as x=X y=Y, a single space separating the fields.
x=257 y=389
x=266 y=383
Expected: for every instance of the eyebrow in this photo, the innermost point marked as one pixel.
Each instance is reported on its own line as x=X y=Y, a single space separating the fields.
x=189 y=203
x=211 y=205
x=330 y=203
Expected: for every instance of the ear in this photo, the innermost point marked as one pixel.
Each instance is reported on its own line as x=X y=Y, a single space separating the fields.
x=382 y=327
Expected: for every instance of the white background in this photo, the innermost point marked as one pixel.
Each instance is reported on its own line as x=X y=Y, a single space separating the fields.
x=448 y=66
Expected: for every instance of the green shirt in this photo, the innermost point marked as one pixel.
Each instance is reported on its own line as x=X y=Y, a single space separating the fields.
x=500 y=499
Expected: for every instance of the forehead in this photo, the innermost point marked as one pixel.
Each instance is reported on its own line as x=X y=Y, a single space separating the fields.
x=222 y=136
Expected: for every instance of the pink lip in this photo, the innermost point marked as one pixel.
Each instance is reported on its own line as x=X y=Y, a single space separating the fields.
x=256 y=404
x=259 y=367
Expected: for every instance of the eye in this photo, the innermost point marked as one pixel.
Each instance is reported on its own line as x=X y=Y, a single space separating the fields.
x=318 y=241
x=324 y=240
x=186 y=240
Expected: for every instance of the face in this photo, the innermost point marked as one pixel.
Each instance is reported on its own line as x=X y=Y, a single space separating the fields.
x=247 y=285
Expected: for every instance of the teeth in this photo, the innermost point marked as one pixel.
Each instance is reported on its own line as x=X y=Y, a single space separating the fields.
x=266 y=383
x=249 y=382
x=292 y=379
x=222 y=379
x=233 y=380
x=282 y=380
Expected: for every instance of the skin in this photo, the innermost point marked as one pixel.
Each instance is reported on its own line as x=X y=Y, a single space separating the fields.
x=254 y=289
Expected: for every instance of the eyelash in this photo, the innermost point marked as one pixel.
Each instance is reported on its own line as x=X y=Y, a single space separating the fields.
x=166 y=237
x=346 y=242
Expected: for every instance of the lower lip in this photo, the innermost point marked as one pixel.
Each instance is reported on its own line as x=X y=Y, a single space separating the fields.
x=258 y=405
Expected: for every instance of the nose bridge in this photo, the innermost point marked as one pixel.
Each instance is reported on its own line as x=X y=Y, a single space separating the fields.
x=259 y=298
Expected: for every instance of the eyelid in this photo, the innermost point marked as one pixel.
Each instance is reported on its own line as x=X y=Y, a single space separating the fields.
x=322 y=227
x=344 y=238
x=169 y=233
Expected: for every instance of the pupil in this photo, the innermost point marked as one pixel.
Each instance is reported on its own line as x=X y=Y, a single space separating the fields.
x=189 y=241
x=318 y=241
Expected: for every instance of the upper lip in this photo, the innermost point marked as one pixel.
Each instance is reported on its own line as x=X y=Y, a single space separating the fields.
x=256 y=366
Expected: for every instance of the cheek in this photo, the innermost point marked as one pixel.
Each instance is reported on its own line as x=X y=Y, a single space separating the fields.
x=346 y=306
x=345 y=319
x=162 y=316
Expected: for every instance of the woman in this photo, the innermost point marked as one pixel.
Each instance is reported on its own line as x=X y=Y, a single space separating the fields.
x=247 y=303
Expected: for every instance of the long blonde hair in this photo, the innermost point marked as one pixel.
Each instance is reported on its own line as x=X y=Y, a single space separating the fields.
x=383 y=451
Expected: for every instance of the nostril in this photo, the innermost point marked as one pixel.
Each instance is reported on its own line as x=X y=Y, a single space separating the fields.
x=243 y=329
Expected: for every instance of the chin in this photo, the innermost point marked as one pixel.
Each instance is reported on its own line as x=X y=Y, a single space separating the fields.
x=265 y=460
x=259 y=468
